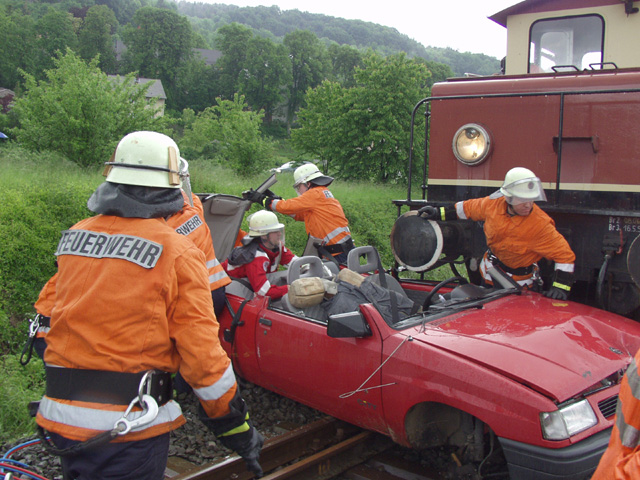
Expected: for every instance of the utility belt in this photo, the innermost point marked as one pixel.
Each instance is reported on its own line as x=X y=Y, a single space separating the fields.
x=101 y=386
x=337 y=248
x=520 y=271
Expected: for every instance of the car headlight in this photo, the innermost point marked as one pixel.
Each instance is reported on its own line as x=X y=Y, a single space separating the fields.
x=567 y=421
x=471 y=144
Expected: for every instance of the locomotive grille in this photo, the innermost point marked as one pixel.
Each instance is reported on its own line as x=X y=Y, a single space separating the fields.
x=608 y=407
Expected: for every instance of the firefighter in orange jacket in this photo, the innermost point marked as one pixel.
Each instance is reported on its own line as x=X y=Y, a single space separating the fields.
x=621 y=460
x=189 y=221
x=322 y=214
x=133 y=304
x=517 y=231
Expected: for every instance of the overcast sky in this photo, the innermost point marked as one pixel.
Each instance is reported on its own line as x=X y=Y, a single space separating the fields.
x=460 y=24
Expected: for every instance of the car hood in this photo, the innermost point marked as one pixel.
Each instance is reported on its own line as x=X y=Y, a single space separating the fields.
x=558 y=348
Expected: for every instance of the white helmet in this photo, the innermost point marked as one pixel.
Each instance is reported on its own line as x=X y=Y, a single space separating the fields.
x=308 y=172
x=264 y=222
x=521 y=185
x=148 y=159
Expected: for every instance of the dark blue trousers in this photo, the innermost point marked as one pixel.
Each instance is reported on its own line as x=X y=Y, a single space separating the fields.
x=141 y=460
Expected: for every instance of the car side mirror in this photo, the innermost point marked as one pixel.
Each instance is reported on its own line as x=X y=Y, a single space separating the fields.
x=347 y=325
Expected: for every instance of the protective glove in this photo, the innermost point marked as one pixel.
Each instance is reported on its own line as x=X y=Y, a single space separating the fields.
x=248 y=445
x=267 y=201
x=253 y=196
x=561 y=285
x=429 y=212
x=556 y=293
x=438 y=213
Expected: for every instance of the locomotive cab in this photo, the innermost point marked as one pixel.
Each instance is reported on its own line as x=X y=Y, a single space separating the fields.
x=566 y=108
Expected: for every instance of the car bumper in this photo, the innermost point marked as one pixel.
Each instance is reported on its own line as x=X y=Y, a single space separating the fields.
x=575 y=462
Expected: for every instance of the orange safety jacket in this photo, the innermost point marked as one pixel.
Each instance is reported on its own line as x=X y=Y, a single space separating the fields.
x=190 y=222
x=132 y=295
x=321 y=213
x=517 y=240
x=621 y=460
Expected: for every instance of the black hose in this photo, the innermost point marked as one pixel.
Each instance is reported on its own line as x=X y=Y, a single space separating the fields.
x=601 y=278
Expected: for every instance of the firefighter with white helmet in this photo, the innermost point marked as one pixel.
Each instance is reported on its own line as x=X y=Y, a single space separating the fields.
x=262 y=255
x=518 y=232
x=321 y=212
x=132 y=306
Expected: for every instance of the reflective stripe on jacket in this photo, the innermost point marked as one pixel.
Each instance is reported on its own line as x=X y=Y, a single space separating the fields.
x=518 y=241
x=621 y=460
x=321 y=213
x=190 y=222
x=133 y=295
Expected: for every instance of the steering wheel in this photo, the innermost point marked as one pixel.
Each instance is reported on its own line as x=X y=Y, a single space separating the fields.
x=427 y=301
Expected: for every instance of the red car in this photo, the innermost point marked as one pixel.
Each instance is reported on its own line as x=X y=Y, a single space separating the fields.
x=475 y=368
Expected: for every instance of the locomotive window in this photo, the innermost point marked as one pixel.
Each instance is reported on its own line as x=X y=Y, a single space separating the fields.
x=566 y=41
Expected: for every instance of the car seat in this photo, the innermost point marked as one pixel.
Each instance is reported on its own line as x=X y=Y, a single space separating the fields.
x=370 y=266
x=303 y=267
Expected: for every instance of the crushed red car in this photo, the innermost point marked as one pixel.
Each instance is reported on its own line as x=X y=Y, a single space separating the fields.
x=487 y=371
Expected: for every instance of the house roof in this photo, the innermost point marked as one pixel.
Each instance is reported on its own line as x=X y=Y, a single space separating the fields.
x=6 y=92
x=537 y=6
x=210 y=57
x=156 y=90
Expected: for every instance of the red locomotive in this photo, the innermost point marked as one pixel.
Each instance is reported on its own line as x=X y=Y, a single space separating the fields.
x=566 y=108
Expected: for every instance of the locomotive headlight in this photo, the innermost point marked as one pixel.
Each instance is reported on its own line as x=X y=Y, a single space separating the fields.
x=567 y=421
x=471 y=144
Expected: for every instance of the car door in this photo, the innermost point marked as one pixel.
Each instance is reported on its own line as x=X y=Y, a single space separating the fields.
x=299 y=360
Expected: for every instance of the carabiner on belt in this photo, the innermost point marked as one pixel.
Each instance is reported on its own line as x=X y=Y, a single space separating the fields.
x=27 y=350
x=149 y=413
x=34 y=325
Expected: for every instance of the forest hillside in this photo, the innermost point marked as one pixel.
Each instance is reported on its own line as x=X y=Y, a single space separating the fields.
x=273 y=23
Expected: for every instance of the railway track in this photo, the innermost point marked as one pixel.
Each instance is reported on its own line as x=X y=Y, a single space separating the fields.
x=324 y=449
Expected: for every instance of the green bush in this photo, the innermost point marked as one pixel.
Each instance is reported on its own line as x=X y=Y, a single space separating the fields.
x=19 y=385
x=40 y=195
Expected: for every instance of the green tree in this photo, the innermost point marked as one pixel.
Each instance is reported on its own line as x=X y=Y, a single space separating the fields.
x=195 y=87
x=159 y=42
x=79 y=112
x=344 y=61
x=124 y=10
x=363 y=132
x=439 y=72
x=267 y=72
x=230 y=132
x=17 y=34
x=95 y=37
x=55 y=34
x=233 y=41
x=310 y=65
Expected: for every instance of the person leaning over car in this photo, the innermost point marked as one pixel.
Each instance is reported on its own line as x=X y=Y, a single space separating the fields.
x=621 y=459
x=133 y=305
x=262 y=255
x=189 y=221
x=517 y=231
x=321 y=212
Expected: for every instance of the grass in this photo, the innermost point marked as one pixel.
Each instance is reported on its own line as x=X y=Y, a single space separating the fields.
x=19 y=385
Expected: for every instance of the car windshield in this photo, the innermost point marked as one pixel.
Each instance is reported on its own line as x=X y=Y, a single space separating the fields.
x=465 y=296
x=450 y=306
